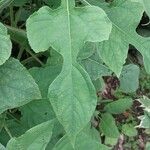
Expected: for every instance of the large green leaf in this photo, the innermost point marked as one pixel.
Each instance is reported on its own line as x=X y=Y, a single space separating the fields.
x=86 y=139
x=113 y=52
x=146 y=4
x=66 y=29
x=17 y=86
x=36 y=138
x=125 y=16
x=5 y=44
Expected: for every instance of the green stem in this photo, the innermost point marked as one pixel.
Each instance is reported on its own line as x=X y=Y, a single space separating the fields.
x=18 y=15
x=12 y=16
x=8 y=131
x=31 y=59
x=18 y=121
x=20 y=53
x=106 y=101
x=85 y=2
x=34 y=56
x=66 y=3
x=13 y=117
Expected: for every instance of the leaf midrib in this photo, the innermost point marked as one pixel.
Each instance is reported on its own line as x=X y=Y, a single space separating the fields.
x=70 y=45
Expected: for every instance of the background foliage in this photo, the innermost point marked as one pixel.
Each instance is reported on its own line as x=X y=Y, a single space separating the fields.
x=74 y=75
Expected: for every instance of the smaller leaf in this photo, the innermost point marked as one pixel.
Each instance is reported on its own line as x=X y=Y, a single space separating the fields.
x=95 y=69
x=129 y=78
x=87 y=51
x=129 y=130
x=91 y=141
x=44 y=77
x=19 y=85
x=58 y=132
x=99 y=84
x=119 y=106
x=36 y=112
x=5 y=44
x=108 y=126
x=36 y=138
x=145 y=101
x=19 y=2
x=145 y=119
x=111 y=141
x=55 y=59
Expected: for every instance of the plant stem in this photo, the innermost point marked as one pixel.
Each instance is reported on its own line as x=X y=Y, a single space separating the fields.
x=31 y=59
x=85 y=2
x=8 y=131
x=106 y=101
x=11 y=16
x=34 y=56
x=20 y=53
x=18 y=15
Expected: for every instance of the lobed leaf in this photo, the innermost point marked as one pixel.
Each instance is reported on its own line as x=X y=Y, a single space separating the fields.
x=114 y=51
x=66 y=29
